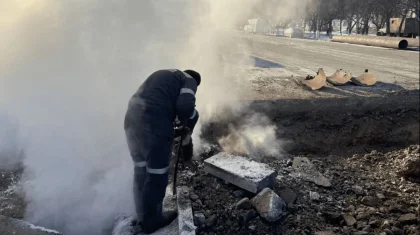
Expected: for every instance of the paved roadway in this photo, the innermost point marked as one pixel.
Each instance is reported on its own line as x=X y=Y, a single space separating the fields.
x=279 y=61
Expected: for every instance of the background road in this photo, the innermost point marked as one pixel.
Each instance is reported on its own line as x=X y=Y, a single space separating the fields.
x=280 y=61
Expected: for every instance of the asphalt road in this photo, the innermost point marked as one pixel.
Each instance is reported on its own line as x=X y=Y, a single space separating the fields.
x=279 y=61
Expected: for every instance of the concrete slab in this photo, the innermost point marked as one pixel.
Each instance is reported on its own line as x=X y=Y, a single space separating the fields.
x=10 y=226
x=240 y=171
x=185 y=216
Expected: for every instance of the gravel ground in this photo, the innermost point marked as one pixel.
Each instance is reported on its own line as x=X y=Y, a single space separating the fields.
x=369 y=195
x=11 y=199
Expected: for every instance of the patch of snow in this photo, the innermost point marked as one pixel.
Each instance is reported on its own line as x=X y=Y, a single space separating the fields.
x=42 y=228
x=241 y=166
x=123 y=227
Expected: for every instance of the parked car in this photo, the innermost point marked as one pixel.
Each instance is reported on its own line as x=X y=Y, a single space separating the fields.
x=293 y=33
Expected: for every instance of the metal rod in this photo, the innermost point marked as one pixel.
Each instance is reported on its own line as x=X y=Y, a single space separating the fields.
x=178 y=155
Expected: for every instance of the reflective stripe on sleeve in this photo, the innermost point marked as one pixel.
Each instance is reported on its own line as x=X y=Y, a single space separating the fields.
x=187 y=91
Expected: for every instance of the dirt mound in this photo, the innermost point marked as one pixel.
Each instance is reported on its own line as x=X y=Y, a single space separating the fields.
x=367 y=196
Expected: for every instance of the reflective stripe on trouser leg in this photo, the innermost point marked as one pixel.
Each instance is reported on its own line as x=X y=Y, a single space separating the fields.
x=156 y=178
x=159 y=171
x=136 y=143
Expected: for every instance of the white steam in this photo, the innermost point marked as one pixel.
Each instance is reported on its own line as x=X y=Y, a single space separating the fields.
x=67 y=70
x=256 y=137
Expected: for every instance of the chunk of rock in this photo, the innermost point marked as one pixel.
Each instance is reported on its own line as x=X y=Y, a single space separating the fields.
x=380 y=196
x=314 y=196
x=324 y=233
x=199 y=219
x=397 y=231
x=288 y=196
x=370 y=201
x=240 y=171
x=305 y=170
x=388 y=232
x=411 y=168
x=244 y=204
x=409 y=218
x=349 y=220
x=269 y=205
x=358 y=190
x=239 y=193
x=361 y=233
x=194 y=197
x=14 y=226
x=333 y=217
x=211 y=221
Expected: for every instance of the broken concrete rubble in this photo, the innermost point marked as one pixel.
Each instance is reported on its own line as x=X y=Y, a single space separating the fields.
x=9 y=226
x=269 y=205
x=409 y=218
x=314 y=196
x=240 y=171
x=307 y=171
x=411 y=167
x=349 y=220
x=199 y=219
x=370 y=201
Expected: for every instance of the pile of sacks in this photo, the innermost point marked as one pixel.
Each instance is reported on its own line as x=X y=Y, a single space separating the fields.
x=339 y=78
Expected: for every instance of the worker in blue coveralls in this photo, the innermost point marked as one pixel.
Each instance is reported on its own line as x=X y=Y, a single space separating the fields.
x=165 y=100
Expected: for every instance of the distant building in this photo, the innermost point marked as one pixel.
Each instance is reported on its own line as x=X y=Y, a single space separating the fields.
x=257 y=26
x=336 y=25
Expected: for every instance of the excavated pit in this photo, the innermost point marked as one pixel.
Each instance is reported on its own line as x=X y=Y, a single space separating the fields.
x=332 y=126
x=361 y=146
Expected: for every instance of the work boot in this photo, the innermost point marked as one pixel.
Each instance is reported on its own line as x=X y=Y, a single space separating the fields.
x=151 y=226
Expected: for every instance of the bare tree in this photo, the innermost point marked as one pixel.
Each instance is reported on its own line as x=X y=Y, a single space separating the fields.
x=378 y=20
x=388 y=9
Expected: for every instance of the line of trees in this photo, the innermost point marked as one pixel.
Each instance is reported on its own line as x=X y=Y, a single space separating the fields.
x=359 y=14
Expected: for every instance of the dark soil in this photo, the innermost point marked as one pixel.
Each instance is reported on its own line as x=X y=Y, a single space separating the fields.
x=369 y=188
x=366 y=155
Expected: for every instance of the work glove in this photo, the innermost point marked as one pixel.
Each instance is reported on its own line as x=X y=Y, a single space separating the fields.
x=182 y=131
